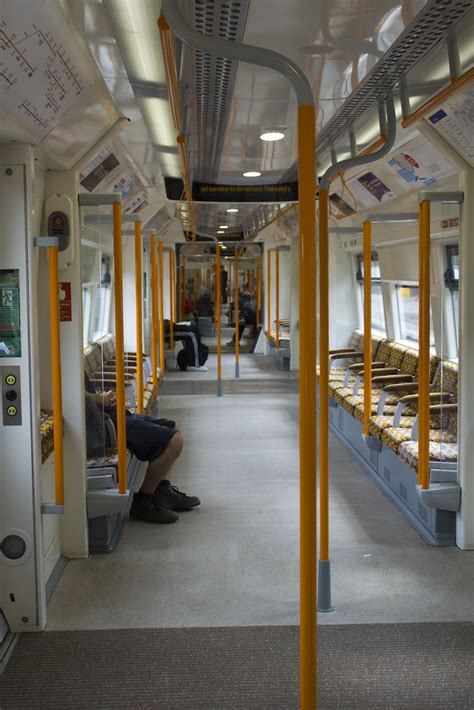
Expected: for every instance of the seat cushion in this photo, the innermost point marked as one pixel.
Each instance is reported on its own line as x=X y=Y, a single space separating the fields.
x=408 y=452
x=377 y=425
x=47 y=434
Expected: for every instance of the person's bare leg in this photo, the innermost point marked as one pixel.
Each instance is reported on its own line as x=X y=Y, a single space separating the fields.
x=160 y=467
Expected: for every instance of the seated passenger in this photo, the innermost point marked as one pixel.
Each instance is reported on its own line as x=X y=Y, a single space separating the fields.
x=204 y=305
x=154 y=440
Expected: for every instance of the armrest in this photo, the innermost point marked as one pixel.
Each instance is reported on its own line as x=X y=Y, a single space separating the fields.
x=385 y=379
x=376 y=373
x=434 y=397
x=360 y=366
x=346 y=355
x=444 y=408
x=336 y=351
x=402 y=387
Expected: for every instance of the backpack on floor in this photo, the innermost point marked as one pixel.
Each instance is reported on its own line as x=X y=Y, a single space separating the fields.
x=186 y=359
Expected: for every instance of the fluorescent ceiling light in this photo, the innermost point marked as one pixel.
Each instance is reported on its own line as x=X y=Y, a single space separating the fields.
x=159 y=121
x=252 y=173
x=232 y=209
x=220 y=231
x=272 y=136
x=223 y=226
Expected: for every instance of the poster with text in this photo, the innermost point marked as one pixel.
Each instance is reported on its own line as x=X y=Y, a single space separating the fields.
x=455 y=122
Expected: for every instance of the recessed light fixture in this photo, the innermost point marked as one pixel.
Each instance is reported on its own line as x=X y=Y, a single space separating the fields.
x=232 y=209
x=223 y=226
x=272 y=136
x=252 y=173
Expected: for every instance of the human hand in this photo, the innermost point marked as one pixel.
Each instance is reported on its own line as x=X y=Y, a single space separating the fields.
x=109 y=398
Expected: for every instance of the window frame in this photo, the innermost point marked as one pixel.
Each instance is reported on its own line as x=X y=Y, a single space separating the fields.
x=377 y=280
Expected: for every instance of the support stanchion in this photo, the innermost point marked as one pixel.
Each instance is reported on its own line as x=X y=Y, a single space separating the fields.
x=217 y=288
x=277 y=299
x=324 y=566
x=119 y=346
x=367 y=227
x=154 y=313
x=162 y=310
x=259 y=289
x=269 y=292
x=236 y=296
x=55 y=336
x=424 y=346
x=170 y=276
x=139 y=313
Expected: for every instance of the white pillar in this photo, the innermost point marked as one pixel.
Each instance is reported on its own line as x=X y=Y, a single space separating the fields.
x=465 y=519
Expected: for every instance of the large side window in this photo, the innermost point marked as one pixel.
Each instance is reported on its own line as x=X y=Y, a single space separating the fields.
x=378 y=314
x=451 y=280
x=408 y=313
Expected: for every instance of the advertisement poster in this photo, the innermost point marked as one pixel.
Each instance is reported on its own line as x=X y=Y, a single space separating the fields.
x=455 y=122
x=340 y=207
x=123 y=184
x=100 y=172
x=423 y=163
x=135 y=204
x=369 y=190
x=10 y=333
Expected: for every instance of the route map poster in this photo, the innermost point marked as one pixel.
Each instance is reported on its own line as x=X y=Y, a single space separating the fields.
x=10 y=333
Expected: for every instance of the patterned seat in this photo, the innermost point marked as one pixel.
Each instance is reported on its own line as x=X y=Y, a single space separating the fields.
x=408 y=452
x=109 y=459
x=47 y=434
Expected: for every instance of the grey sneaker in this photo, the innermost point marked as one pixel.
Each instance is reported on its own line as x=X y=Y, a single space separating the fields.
x=144 y=507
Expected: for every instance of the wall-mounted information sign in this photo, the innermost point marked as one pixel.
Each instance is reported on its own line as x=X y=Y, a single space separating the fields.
x=208 y=192
x=10 y=333
x=455 y=121
x=65 y=301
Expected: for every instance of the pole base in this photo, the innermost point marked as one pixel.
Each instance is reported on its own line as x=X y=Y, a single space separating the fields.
x=324 y=586
x=237 y=369
x=219 y=387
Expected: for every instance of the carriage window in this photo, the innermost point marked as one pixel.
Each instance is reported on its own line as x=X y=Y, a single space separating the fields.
x=451 y=280
x=408 y=312
x=378 y=314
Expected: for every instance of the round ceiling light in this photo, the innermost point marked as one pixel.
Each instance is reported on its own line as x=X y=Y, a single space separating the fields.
x=232 y=209
x=272 y=136
x=252 y=173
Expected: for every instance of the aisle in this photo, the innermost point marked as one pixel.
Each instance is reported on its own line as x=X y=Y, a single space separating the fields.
x=234 y=560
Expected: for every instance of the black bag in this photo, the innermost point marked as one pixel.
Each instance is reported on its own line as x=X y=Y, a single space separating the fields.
x=96 y=437
x=185 y=357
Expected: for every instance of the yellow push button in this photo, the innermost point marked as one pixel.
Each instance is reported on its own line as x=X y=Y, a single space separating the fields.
x=11 y=411
x=10 y=380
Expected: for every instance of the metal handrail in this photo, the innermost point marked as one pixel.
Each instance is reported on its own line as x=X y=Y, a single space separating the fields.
x=154 y=313
x=139 y=313
x=119 y=347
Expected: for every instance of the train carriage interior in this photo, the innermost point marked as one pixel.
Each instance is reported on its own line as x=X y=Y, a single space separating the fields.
x=236 y=240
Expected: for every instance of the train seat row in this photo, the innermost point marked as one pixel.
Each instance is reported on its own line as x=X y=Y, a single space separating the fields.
x=391 y=449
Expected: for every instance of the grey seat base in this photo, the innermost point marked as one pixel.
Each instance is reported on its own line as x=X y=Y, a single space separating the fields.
x=396 y=479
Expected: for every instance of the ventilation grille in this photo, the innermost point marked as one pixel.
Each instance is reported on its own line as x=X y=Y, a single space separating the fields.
x=214 y=80
x=428 y=28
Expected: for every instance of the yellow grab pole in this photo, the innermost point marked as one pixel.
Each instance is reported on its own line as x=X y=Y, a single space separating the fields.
x=119 y=347
x=217 y=285
x=181 y=290
x=170 y=276
x=424 y=352
x=277 y=298
x=323 y=375
x=269 y=291
x=216 y=276
x=367 y=324
x=139 y=313
x=307 y=322
x=154 y=313
x=259 y=288
x=56 y=374
x=162 y=317
x=236 y=295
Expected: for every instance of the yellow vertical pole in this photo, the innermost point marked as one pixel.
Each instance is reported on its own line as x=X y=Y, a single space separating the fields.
x=217 y=286
x=139 y=313
x=367 y=227
x=54 y=325
x=277 y=298
x=170 y=276
x=269 y=291
x=324 y=374
x=307 y=319
x=119 y=346
x=259 y=288
x=162 y=316
x=424 y=352
x=181 y=289
x=216 y=276
x=236 y=292
x=154 y=312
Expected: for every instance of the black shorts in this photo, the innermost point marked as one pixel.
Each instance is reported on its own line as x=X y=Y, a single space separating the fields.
x=147 y=438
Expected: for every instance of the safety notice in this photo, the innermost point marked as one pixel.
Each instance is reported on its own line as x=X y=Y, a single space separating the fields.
x=65 y=301
x=455 y=121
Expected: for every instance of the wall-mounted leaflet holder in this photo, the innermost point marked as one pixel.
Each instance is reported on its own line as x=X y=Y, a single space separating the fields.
x=58 y=214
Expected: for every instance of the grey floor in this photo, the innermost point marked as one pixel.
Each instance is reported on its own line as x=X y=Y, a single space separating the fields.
x=234 y=561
